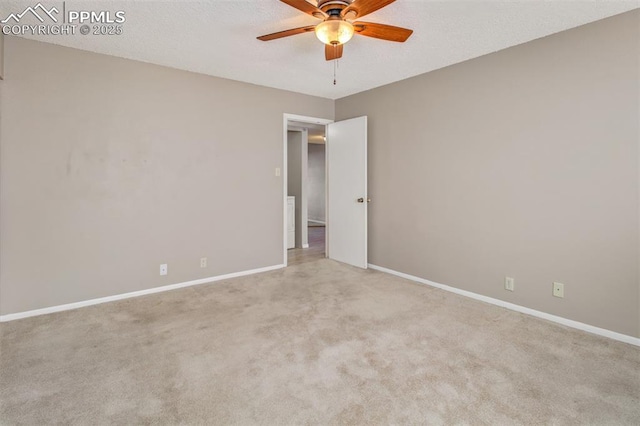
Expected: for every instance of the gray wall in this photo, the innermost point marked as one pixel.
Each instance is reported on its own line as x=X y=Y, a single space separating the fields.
x=110 y=167
x=522 y=163
x=317 y=182
x=1 y=55
x=297 y=176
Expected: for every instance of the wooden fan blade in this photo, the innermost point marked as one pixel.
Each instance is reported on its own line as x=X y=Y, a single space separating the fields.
x=333 y=51
x=364 y=7
x=306 y=7
x=382 y=31
x=287 y=33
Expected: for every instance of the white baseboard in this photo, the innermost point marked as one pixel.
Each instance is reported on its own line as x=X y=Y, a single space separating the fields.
x=305 y=246
x=512 y=306
x=76 y=305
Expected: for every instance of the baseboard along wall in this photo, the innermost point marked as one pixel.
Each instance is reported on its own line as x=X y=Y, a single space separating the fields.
x=76 y=305
x=512 y=306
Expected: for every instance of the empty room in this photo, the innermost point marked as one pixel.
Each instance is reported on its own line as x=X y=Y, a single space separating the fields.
x=287 y=212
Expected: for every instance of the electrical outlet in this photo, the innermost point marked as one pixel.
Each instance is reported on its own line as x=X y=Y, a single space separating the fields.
x=277 y=171
x=509 y=283
x=203 y=262
x=558 y=289
x=164 y=269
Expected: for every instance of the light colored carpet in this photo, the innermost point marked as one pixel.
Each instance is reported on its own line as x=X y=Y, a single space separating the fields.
x=318 y=343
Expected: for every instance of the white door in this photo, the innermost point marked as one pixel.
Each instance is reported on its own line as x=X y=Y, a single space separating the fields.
x=347 y=191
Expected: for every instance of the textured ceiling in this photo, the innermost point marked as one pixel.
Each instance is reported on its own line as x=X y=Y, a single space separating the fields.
x=218 y=37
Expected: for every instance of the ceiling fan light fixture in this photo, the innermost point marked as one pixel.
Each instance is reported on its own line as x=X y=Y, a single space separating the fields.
x=334 y=31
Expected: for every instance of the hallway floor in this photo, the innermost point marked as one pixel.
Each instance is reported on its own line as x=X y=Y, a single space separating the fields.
x=315 y=251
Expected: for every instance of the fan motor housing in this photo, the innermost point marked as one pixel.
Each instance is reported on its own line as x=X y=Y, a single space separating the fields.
x=328 y=6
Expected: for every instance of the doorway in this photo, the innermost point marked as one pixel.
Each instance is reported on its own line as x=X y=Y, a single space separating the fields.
x=346 y=198
x=305 y=159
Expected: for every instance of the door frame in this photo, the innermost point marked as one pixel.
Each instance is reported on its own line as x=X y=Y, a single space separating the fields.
x=286 y=117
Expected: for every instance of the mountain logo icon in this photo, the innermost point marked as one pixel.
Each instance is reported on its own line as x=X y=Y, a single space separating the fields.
x=38 y=11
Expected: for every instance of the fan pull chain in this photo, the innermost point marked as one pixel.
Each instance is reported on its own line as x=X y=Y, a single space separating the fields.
x=335 y=64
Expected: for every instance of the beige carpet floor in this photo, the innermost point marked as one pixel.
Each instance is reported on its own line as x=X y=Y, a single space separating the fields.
x=317 y=343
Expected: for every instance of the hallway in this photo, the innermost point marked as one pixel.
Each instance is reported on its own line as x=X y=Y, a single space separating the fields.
x=315 y=251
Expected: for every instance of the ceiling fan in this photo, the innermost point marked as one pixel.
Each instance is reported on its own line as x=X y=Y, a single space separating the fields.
x=337 y=27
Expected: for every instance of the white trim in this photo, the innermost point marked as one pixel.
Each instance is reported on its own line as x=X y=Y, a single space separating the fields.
x=285 y=125
x=307 y=119
x=316 y=221
x=76 y=305
x=304 y=246
x=327 y=242
x=512 y=306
